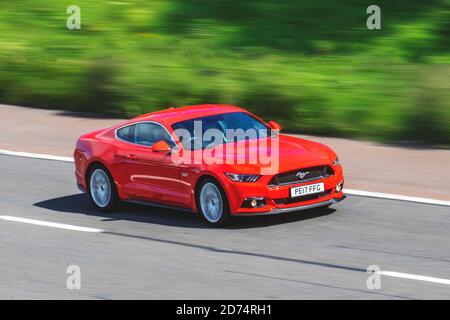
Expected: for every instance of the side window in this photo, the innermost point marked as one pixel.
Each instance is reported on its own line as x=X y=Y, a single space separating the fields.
x=126 y=133
x=149 y=133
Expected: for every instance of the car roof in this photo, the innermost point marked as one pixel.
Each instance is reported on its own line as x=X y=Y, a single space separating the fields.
x=173 y=115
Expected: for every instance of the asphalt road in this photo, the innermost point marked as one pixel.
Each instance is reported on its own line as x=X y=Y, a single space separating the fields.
x=150 y=253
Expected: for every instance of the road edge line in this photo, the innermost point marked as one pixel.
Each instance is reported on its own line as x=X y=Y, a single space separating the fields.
x=51 y=224
x=35 y=155
x=413 y=277
x=395 y=197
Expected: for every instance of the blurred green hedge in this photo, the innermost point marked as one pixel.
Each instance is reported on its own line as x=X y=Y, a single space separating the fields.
x=311 y=65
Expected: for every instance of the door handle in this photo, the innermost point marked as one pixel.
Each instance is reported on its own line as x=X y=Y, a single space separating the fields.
x=131 y=156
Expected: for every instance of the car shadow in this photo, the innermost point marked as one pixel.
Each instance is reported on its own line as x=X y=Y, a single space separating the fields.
x=80 y=204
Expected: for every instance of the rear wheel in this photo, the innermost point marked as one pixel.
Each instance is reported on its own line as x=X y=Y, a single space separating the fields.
x=102 y=190
x=212 y=203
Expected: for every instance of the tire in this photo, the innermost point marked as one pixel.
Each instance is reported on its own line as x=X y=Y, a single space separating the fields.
x=212 y=203
x=102 y=189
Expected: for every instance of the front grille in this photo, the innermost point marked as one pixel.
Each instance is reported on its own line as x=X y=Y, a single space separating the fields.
x=303 y=198
x=302 y=175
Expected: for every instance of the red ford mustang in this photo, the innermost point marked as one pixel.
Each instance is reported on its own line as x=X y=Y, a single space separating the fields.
x=218 y=160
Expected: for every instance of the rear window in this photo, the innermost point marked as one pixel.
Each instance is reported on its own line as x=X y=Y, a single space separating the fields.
x=126 y=133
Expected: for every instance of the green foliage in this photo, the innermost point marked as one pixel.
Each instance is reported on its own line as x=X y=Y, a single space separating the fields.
x=311 y=65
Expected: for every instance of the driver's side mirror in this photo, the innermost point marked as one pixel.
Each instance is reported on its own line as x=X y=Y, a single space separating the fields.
x=274 y=125
x=160 y=146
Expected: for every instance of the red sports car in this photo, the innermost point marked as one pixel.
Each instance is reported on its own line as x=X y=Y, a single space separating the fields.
x=217 y=160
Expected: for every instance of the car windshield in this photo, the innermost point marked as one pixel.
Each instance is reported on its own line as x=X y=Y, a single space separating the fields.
x=207 y=132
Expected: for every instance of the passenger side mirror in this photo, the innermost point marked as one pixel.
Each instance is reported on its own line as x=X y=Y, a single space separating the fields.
x=274 y=125
x=160 y=146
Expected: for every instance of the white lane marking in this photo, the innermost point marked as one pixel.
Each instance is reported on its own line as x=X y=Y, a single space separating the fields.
x=36 y=155
x=413 y=277
x=395 y=197
x=51 y=224
x=347 y=191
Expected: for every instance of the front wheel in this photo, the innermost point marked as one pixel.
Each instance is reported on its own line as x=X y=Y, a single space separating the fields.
x=102 y=189
x=212 y=203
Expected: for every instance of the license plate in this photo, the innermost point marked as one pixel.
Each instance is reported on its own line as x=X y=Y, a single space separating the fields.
x=308 y=189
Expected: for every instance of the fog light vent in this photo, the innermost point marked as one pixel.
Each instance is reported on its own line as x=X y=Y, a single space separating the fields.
x=339 y=186
x=253 y=202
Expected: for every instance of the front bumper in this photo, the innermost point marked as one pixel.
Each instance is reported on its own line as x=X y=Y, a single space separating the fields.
x=277 y=198
x=298 y=208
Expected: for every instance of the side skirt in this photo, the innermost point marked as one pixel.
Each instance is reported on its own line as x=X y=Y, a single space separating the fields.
x=159 y=205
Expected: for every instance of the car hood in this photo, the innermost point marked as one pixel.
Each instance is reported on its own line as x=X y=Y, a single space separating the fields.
x=293 y=153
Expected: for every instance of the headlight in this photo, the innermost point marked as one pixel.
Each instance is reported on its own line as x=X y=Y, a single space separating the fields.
x=336 y=162
x=242 y=177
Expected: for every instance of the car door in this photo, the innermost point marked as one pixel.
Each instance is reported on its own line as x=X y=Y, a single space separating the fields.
x=151 y=176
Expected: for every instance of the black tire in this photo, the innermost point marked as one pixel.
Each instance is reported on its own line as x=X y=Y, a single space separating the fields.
x=114 y=199
x=225 y=212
